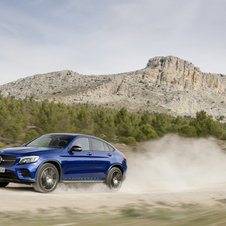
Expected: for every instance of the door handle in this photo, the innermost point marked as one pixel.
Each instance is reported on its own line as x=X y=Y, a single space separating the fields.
x=89 y=153
x=109 y=154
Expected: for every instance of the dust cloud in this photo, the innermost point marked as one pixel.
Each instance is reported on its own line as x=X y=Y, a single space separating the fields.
x=170 y=164
x=174 y=163
x=81 y=188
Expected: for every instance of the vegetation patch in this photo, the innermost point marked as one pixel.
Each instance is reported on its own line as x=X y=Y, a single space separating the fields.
x=22 y=120
x=2 y=145
x=131 y=215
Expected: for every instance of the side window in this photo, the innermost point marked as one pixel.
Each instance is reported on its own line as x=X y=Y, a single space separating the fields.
x=111 y=148
x=97 y=145
x=106 y=147
x=82 y=142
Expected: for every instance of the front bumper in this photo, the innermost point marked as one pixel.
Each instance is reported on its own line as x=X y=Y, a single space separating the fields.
x=24 y=173
x=10 y=176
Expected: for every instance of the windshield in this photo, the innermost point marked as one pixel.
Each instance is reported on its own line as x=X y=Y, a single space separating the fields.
x=51 y=141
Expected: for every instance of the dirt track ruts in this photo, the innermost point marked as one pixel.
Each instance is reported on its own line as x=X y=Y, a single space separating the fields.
x=18 y=198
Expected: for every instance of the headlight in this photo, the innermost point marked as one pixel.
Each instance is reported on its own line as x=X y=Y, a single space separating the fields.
x=28 y=159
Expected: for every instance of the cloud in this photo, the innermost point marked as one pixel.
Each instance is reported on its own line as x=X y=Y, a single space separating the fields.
x=102 y=37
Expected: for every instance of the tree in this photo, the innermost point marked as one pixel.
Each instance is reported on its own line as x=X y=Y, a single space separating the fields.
x=206 y=126
x=13 y=132
x=149 y=132
x=160 y=123
x=123 y=122
x=187 y=131
x=145 y=119
x=31 y=134
x=127 y=140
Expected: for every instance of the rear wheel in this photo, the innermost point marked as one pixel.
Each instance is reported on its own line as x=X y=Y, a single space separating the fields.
x=47 y=178
x=114 y=179
x=3 y=184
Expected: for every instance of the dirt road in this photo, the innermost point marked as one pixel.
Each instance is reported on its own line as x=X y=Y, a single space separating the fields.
x=95 y=198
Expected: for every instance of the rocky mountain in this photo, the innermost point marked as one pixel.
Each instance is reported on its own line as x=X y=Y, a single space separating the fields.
x=167 y=84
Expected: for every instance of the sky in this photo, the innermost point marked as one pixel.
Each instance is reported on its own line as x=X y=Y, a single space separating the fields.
x=108 y=36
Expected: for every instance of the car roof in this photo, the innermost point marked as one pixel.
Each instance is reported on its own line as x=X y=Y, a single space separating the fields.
x=75 y=135
x=70 y=134
x=78 y=135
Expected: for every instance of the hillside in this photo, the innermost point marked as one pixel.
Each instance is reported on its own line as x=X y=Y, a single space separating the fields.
x=167 y=84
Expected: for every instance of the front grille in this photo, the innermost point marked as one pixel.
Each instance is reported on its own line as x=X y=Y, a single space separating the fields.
x=7 y=160
x=8 y=175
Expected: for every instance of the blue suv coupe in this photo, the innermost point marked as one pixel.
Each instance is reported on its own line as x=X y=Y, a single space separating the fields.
x=52 y=158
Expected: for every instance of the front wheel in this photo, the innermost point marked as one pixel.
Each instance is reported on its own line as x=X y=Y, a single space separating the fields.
x=114 y=179
x=47 y=178
x=3 y=184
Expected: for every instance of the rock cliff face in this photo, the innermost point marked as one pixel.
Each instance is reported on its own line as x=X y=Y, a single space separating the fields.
x=175 y=73
x=167 y=84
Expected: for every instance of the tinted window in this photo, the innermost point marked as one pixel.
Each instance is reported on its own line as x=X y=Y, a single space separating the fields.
x=111 y=148
x=97 y=145
x=106 y=147
x=82 y=142
x=53 y=141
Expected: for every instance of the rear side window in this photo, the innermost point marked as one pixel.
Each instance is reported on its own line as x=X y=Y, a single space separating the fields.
x=83 y=142
x=111 y=148
x=97 y=145
x=106 y=147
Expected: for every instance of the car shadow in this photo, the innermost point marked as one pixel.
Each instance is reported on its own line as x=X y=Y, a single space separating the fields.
x=26 y=188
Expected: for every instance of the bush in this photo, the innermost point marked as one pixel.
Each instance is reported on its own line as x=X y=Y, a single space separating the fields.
x=13 y=132
x=106 y=139
x=127 y=140
x=173 y=128
x=149 y=132
x=2 y=145
x=206 y=126
x=214 y=128
x=187 y=131
x=140 y=136
x=223 y=136
x=31 y=134
x=160 y=123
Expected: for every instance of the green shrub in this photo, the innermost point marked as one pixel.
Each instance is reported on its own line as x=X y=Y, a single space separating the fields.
x=140 y=136
x=206 y=126
x=31 y=134
x=160 y=123
x=149 y=132
x=223 y=136
x=13 y=132
x=172 y=128
x=127 y=140
x=106 y=139
x=187 y=131
x=214 y=128
x=2 y=145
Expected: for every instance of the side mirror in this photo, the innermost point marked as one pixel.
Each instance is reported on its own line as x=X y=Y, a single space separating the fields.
x=75 y=148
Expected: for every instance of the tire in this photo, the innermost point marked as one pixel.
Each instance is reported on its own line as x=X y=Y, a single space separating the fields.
x=46 y=178
x=114 y=179
x=3 y=184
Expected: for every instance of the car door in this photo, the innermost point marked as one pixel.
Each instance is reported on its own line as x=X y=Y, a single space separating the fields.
x=102 y=158
x=79 y=164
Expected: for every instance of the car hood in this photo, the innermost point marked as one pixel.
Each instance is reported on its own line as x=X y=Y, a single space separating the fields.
x=21 y=151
